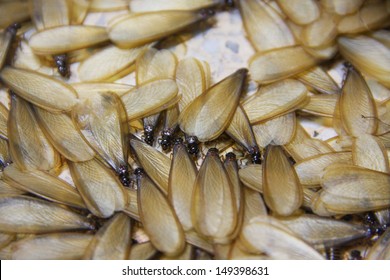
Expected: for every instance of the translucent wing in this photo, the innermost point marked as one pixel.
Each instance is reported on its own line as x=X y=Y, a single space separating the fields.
x=54 y=246
x=278 y=64
x=342 y=7
x=159 y=219
x=155 y=64
x=192 y=80
x=155 y=25
x=139 y=6
x=142 y=251
x=182 y=177
x=265 y=27
x=86 y=90
x=108 y=6
x=275 y=99
x=3 y=121
x=214 y=212
x=101 y=191
x=320 y=33
x=112 y=241
x=149 y=98
x=252 y=177
x=155 y=163
x=321 y=105
x=22 y=214
x=319 y=231
x=368 y=55
x=44 y=185
x=15 y=11
x=240 y=129
x=319 y=79
x=62 y=133
x=63 y=39
x=34 y=88
x=352 y=189
x=300 y=11
x=310 y=169
x=282 y=190
x=204 y=117
x=109 y=64
x=356 y=103
x=49 y=13
x=369 y=152
x=29 y=147
x=102 y=121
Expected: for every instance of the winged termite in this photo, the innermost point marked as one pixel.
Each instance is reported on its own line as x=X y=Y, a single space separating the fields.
x=352 y=189
x=381 y=248
x=152 y=65
x=11 y=12
x=182 y=177
x=156 y=25
x=281 y=187
x=6 y=39
x=311 y=169
x=142 y=251
x=342 y=7
x=197 y=119
x=268 y=132
x=275 y=99
x=102 y=120
x=101 y=191
x=155 y=163
x=149 y=98
x=108 y=6
x=22 y=214
x=214 y=212
x=161 y=223
x=241 y=131
x=29 y=147
x=63 y=135
x=231 y=167
x=266 y=234
x=44 y=185
x=368 y=18
x=368 y=55
x=369 y=152
x=112 y=241
x=113 y=63
x=274 y=65
x=265 y=27
x=63 y=39
x=139 y=6
x=318 y=79
x=33 y=87
x=320 y=231
x=88 y=89
x=356 y=100
x=53 y=246
x=301 y=12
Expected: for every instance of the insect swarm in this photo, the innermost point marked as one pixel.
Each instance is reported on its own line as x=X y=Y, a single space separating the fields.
x=256 y=79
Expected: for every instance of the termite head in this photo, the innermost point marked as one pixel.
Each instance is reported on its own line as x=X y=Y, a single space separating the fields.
x=206 y=13
x=212 y=152
x=166 y=139
x=192 y=145
x=231 y=156
x=62 y=65
x=13 y=28
x=124 y=177
x=255 y=155
x=149 y=134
